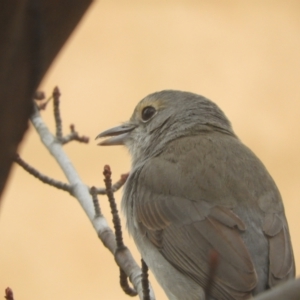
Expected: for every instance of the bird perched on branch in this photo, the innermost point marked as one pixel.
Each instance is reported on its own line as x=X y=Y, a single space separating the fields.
x=196 y=191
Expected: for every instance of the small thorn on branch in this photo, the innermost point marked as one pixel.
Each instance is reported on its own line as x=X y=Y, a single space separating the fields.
x=113 y=207
x=45 y=179
x=9 y=294
x=74 y=136
x=116 y=186
x=120 y=182
x=145 y=281
x=93 y=192
x=58 y=122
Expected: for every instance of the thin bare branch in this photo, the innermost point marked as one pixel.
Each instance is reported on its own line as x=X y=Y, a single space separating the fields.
x=123 y=259
x=81 y=192
x=43 y=106
x=58 y=122
x=9 y=295
x=113 y=206
x=93 y=192
x=74 y=136
x=115 y=187
x=45 y=179
x=118 y=229
x=145 y=281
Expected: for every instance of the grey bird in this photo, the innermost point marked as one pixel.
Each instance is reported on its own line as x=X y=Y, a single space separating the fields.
x=195 y=188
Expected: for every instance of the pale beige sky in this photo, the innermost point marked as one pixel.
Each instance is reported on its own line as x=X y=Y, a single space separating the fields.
x=244 y=55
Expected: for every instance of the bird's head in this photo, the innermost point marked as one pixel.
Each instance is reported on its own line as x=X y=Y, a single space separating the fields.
x=162 y=117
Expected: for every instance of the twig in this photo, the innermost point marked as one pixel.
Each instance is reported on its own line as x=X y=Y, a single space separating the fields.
x=43 y=105
x=58 y=123
x=9 y=294
x=113 y=207
x=118 y=229
x=145 y=281
x=97 y=208
x=74 y=136
x=45 y=179
x=115 y=187
x=109 y=241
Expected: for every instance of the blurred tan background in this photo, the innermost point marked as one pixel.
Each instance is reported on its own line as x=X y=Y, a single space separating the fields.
x=244 y=55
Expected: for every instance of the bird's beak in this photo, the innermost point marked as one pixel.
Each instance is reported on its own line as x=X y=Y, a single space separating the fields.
x=118 y=135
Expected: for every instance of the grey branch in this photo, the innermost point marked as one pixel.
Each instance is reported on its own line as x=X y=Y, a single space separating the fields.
x=73 y=136
x=80 y=191
x=117 y=225
x=45 y=179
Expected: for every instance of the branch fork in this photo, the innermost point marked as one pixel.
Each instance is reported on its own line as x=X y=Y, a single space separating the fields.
x=86 y=196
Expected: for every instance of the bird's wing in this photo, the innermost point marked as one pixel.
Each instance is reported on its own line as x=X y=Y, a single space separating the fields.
x=187 y=232
x=184 y=206
x=282 y=264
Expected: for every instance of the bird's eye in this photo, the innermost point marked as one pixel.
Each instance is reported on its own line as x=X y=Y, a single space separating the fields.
x=147 y=113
